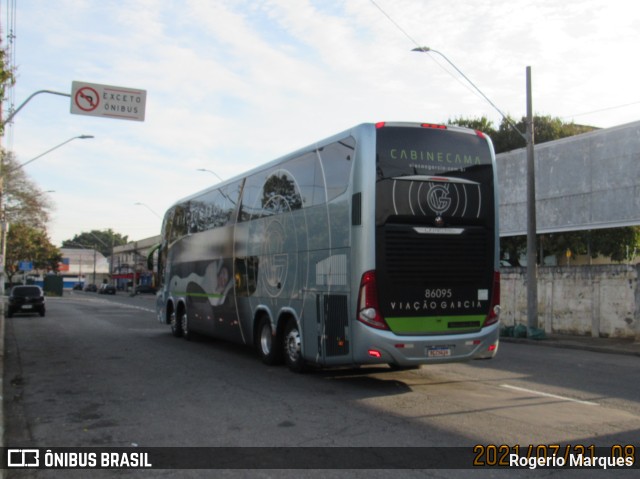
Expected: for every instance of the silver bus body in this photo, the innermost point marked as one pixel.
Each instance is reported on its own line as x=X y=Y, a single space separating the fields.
x=305 y=257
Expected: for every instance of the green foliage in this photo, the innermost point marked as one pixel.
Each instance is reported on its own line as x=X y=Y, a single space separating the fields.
x=102 y=241
x=7 y=79
x=505 y=138
x=512 y=247
x=26 y=243
x=618 y=244
x=482 y=124
x=24 y=201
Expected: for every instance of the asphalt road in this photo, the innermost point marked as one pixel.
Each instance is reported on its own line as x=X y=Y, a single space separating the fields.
x=100 y=371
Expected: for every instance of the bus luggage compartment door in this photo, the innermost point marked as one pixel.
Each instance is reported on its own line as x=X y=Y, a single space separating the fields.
x=333 y=314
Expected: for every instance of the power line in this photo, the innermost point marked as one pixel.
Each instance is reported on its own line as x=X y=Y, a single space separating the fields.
x=412 y=40
x=457 y=78
x=395 y=23
x=602 y=109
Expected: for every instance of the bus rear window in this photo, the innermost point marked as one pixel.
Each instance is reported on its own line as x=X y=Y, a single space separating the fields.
x=403 y=151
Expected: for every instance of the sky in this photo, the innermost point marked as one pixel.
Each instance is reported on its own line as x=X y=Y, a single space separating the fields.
x=232 y=84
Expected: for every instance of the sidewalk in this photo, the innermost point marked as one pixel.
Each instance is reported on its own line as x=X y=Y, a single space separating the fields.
x=585 y=343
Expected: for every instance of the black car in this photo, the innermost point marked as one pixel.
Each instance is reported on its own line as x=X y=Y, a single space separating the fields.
x=145 y=289
x=107 y=289
x=26 y=299
x=92 y=288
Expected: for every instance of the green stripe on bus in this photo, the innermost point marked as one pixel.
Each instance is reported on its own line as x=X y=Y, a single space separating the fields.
x=198 y=295
x=433 y=324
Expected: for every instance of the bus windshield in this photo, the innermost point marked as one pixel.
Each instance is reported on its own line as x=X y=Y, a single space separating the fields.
x=424 y=173
x=425 y=151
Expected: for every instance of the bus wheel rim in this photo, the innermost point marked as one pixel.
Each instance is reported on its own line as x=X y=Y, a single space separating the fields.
x=293 y=344
x=265 y=340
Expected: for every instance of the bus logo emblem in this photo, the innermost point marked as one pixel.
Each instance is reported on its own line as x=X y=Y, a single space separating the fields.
x=438 y=198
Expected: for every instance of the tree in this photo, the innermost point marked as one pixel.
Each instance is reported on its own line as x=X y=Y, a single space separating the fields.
x=505 y=138
x=24 y=201
x=482 y=124
x=7 y=79
x=26 y=243
x=619 y=244
x=102 y=241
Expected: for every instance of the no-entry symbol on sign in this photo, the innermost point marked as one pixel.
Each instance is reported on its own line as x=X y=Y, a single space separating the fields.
x=108 y=101
x=87 y=99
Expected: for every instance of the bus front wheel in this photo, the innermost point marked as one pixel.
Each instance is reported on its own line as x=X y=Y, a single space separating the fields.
x=292 y=347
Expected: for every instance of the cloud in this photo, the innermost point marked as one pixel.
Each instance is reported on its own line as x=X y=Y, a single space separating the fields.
x=232 y=84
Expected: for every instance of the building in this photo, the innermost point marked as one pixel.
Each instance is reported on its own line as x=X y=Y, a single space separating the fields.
x=83 y=266
x=135 y=263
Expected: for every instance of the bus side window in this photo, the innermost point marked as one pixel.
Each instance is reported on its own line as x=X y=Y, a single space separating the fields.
x=337 y=159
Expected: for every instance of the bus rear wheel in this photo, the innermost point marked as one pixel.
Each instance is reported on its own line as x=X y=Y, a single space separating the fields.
x=268 y=344
x=184 y=325
x=292 y=347
x=176 y=326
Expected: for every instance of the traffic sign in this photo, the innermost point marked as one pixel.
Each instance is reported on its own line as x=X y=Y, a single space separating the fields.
x=25 y=266
x=108 y=101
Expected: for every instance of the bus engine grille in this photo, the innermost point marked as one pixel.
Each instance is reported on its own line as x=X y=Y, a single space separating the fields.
x=409 y=256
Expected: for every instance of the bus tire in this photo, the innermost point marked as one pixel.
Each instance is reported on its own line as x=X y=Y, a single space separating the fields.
x=176 y=327
x=292 y=347
x=184 y=325
x=268 y=345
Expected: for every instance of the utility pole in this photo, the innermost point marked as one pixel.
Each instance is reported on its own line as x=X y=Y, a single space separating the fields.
x=532 y=266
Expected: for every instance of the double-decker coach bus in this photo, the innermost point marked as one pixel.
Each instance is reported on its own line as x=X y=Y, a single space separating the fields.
x=377 y=245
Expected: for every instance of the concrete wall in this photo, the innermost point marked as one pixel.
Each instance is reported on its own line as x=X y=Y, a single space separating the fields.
x=600 y=301
x=587 y=181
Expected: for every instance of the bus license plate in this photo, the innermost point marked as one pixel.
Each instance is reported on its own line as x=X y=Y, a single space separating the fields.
x=439 y=352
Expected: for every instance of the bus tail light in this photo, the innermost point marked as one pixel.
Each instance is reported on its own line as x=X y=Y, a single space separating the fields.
x=368 y=310
x=494 y=307
x=433 y=126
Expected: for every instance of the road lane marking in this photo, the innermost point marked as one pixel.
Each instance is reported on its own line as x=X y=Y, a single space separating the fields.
x=555 y=396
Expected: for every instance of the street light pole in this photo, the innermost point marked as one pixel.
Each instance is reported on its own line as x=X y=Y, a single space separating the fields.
x=504 y=117
x=532 y=280
x=3 y=218
x=79 y=137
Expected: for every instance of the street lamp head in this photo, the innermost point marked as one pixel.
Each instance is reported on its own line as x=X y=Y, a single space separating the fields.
x=138 y=203
x=421 y=49
x=210 y=171
x=85 y=137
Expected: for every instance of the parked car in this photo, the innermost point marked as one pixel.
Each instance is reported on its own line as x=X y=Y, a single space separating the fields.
x=77 y=287
x=107 y=289
x=145 y=289
x=92 y=288
x=26 y=299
